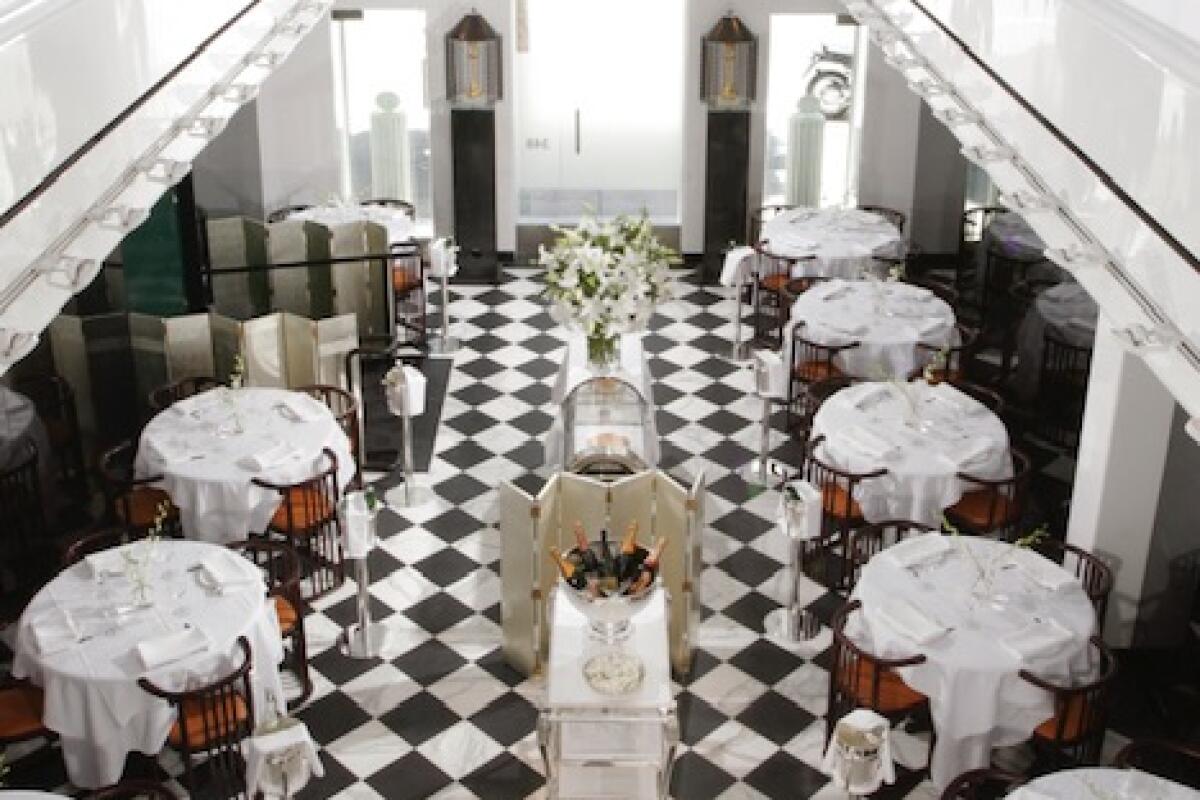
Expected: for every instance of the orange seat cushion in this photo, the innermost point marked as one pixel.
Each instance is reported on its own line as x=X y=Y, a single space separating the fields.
x=142 y=503
x=976 y=509
x=775 y=283
x=302 y=509
x=837 y=502
x=192 y=721
x=287 y=614
x=1076 y=722
x=813 y=371
x=403 y=281
x=21 y=713
x=894 y=694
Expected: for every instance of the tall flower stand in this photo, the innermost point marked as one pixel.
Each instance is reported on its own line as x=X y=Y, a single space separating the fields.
x=404 y=389
x=740 y=350
x=764 y=471
x=363 y=638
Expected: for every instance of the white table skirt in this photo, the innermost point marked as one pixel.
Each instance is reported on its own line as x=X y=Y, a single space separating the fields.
x=92 y=700
x=887 y=319
x=398 y=223
x=631 y=365
x=977 y=699
x=1066 y=309
x=844 y=241
x=211 y=483
x=1100 y=782
x=922 y=476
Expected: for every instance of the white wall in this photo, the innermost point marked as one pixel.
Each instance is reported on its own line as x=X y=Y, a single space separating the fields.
x=891 y=120
x=227 y=175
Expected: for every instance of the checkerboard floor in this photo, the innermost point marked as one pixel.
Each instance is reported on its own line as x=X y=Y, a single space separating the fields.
x=443 y=715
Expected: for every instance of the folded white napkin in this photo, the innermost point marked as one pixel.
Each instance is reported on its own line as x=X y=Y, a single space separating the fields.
x=106 y=562
x=170 y=647
x=54 y=631
x=273 y=456
x=224 y=571
x=955 y=399
x=876 y=394
x=170 y=451
x=1040 y=637
x=732 y=269
x=919 y=549
x=865 y=442
x=199 y=402
x=1041 y=570
x=974 y=451
x=909 y=621
x=301 y=407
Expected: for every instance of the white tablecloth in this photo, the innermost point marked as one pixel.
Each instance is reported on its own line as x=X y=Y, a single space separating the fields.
x=886 y=318
x=921 y=480
x=978 y=701
x=631 y=366
x=1099 y=783
x=398 y=223
x=92 y=699
x=843 y=240
x=1067 y=310
x=210 y=478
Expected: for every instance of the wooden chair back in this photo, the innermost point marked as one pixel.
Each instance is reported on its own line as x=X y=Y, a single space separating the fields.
x=982 y=784
x=169 y=394
x=872 y=538
x=1075 y=734
x=93 y=542
x=1062 y=390
x=345 y=410
x=998 y=502
x=893 y=216
x=1094 y=575
x=1174 y=761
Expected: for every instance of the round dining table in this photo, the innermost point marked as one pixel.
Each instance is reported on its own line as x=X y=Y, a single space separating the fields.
x=886 y=318
x=19 y=422
x=1102 y=783
x=980 y=611
x=1066 y=310
x=844 y=242
x=209 y=447
x=923 y=434
x=90 y=634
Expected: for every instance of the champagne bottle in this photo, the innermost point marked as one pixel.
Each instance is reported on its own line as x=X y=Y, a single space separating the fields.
x=571 y=574
x=587 y=557
x=627 y=560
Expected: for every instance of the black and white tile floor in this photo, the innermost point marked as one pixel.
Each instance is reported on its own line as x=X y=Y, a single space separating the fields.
x=443 y=715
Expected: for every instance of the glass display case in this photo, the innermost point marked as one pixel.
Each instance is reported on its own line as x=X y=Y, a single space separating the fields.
x=606 y=421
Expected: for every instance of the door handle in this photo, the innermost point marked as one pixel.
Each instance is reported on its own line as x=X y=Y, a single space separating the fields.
x=577 y=136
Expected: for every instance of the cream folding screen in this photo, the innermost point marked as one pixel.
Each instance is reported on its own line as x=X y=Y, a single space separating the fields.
x=358 y=286
x=530 y=525
x=188 y=347
x=307 y=291
x=238 y=242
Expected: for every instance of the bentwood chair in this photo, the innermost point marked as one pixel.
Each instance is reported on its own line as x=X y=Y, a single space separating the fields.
x=167 y=395
x=988 y=398
x=972 y=226
x=804 y=407
x=345 y=410
x=774 y=292
x=280 y=566
x=135 y=502
x=949 y=363
x=982 y=784
x=840 y=514
x=94 y=542
x=408 y=292
x=21 y=712
x=307 y=518
x=1094 y=575
x=27 y=552
x=859 y=679
x=1174 y=761
x=1062 y=391
x=870 y=539
x=211 y=723
x=812 y=362
x=993 y=507
x=1074 y=735
x=761 y=215
x=893 y=216
x=55 y=403
x=134 y=789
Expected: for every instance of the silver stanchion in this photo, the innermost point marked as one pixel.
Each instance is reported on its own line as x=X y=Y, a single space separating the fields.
x=741 y=350
x=409 y=494
x=763 y=471
x=445 y=344
x=363 y=638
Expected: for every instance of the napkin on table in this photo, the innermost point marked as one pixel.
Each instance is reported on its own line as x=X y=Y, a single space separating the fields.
x=1040 y=637
x=160 y=650
x=876 y=394
x=105 y=562
x=958 y=400
x=863 y=441
x=274 y=455
x=919 y=549
x=909 y=621
x=199 y=402
x=1041 y=570
x=301 y=407
x=221 y=571
x=53 y=631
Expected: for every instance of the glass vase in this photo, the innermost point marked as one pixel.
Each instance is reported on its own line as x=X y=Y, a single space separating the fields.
x=602 y=351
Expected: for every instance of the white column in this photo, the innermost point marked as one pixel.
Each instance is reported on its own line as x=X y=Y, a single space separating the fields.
x=1126 y=431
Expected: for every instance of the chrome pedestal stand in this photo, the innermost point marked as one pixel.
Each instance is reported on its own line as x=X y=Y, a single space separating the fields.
x=408 y=494
x=444 y=344
x=741 y=350
x=763 y=471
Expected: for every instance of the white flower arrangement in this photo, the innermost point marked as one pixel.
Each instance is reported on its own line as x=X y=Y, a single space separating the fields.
x=606 y=278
